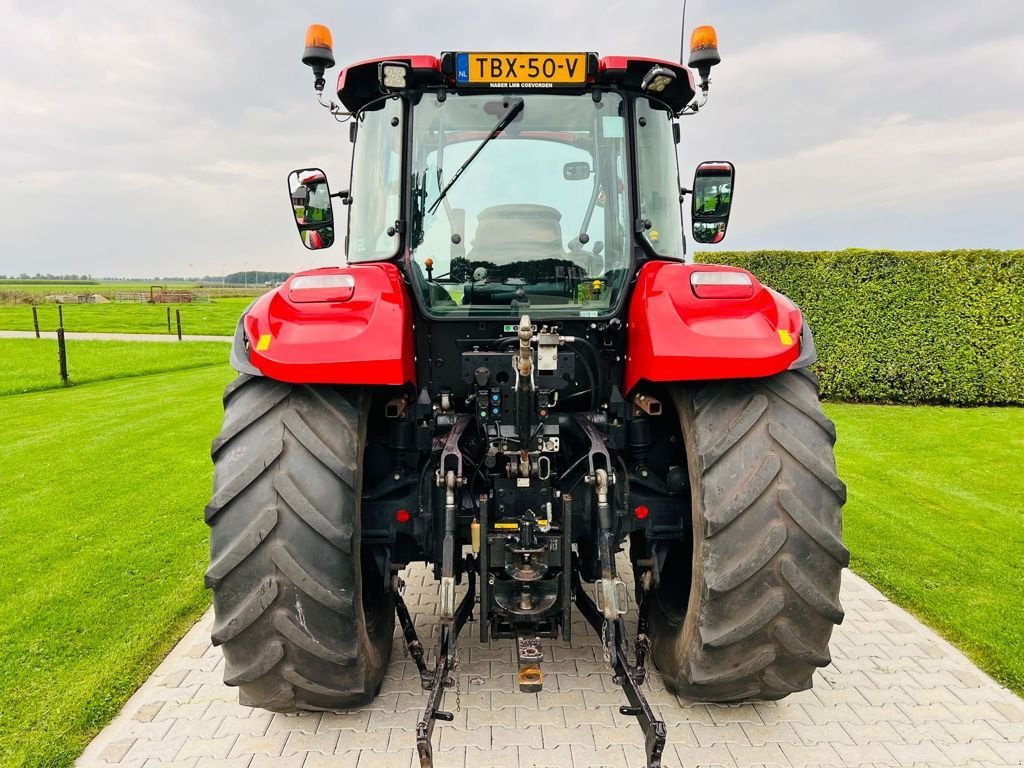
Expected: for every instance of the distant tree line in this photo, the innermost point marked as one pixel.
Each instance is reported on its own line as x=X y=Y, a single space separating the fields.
x=249 y=277
x=254 y=276
x=39 y=276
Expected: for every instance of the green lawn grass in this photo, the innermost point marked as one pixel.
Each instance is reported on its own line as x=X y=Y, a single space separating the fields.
x=30 y=365
x=216 y=318
x=103 y=549
x=935 y=519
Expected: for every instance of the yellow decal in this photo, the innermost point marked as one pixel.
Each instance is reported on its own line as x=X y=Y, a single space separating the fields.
x=515 y=526
x=785 y=338
x=264 y=343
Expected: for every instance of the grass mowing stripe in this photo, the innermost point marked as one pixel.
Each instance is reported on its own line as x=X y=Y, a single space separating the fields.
x=103 y=552
x=30 y=365
x=935 y=519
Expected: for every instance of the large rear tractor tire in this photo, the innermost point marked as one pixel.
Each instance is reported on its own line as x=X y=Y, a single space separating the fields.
x=304 y=621
x=749 y=613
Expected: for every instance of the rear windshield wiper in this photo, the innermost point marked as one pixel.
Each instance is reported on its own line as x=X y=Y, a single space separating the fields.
x=511 y=115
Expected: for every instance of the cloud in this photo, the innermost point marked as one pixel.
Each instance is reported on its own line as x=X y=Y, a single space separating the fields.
x=145 y=139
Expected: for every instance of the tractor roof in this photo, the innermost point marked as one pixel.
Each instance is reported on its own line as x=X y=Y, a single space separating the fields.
x=359 y=83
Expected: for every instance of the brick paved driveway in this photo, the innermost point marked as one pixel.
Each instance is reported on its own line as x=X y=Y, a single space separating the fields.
x=896 y=694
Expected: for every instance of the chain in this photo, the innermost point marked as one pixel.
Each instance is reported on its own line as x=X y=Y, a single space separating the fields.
x=458 y=682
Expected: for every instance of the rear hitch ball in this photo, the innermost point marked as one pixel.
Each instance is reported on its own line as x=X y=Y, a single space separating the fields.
x=319 y=53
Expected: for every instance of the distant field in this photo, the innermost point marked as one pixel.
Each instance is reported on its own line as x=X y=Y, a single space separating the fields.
x=96 y=286
x=103 y=549
x=30 y=365
x=216 y=318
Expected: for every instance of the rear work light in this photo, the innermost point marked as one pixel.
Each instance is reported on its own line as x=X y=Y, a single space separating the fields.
x=312 y=288
x=722 y=285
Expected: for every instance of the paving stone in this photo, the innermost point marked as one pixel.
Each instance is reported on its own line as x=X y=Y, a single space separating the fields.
x=242 y=761
x=259 y=745
x=164 y=749
x=767 y=755
x=715 y=755
x=895 y=695
x=365 y=741
x=818 y=754
x=324 y=742
x=252 y=726
x=349 y=759
x=866 y=733
x=528 y=717
x=115 y=751
x=147 y=712
x=205 y=728
x=925 y=752
x=759 y=735
x=1010 y=751
x=493 y=758
x=502 y=737
x=206 y=746
x=861 y=754
x=731 y=733
x=581 y=736
x=737 y=713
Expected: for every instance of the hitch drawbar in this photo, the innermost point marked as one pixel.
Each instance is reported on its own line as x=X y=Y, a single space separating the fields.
x=612 y=633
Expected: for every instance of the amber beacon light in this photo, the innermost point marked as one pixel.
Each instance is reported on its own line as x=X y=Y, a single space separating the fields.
x=704 y=52
x=319 y=52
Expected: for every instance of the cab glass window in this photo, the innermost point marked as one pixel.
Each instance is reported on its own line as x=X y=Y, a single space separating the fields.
x=536 y=221
x=658 y=179
x=376 y=189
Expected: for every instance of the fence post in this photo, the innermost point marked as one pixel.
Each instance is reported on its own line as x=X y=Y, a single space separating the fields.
x=168 y=319
x=62 y=356
x=177 y=314
x=35 y=319
x=60 y=315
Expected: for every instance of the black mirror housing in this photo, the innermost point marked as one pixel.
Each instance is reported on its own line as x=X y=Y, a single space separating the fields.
x=310 y=197
x=576 y=171
x=711 y=200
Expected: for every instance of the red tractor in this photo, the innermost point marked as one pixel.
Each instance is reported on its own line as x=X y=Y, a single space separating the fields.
x=516 y=372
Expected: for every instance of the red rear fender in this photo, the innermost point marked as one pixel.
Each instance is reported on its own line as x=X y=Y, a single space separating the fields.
x=676 y=336
x=363 y=339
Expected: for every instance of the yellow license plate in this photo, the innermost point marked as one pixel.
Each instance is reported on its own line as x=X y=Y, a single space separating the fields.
x=494 y=68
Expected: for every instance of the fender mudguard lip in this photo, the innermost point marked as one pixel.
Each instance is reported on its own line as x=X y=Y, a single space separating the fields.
x=676 y=336
x=239 y=356
x=364 y=340
x=808 y=352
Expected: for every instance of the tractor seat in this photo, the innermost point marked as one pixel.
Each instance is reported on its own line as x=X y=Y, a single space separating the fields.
x=509 y=233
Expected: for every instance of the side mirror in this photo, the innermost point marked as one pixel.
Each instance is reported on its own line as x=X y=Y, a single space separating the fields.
x=711 y=201
x=576 y=171
x=311 y=206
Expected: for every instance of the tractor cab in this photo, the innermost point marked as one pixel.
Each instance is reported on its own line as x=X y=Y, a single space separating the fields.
x=516 y=371
x=502 y=183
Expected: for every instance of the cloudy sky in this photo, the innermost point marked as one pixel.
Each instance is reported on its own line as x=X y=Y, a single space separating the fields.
x=144 y=139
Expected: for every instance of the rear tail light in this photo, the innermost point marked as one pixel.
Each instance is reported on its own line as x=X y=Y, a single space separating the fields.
x=311 y=288
x=722 y=285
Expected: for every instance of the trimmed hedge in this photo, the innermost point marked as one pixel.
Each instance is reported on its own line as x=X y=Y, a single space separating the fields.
x=906 y=327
